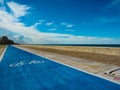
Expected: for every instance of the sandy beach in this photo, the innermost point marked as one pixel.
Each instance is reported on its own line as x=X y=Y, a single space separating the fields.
x=103 y=55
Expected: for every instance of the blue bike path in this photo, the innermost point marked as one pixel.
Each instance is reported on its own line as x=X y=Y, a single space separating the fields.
x=22 y=70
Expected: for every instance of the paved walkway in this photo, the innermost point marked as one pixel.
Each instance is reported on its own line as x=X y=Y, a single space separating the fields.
x=21 y=70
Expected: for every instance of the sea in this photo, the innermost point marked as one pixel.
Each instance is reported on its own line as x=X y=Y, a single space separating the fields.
x=91 y=45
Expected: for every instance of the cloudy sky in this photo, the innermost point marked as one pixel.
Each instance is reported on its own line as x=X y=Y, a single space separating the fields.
x=61 y=21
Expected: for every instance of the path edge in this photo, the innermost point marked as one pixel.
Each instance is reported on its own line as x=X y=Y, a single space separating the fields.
x=2 y=55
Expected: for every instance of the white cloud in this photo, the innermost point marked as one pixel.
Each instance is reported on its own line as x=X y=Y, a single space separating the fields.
x=53 y=29
x=49 y=23
x=22 y=33
x=41 y=20
x=69 y=30
x=11 y=22
x=18 y=38
x=17 y=9
x=36 y=24
x=67 y=25
x=63 y=23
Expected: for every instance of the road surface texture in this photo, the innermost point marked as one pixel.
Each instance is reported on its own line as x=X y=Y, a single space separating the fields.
x=21 y=70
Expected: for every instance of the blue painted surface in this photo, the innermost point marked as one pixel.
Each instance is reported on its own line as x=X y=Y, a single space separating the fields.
x=21 y=70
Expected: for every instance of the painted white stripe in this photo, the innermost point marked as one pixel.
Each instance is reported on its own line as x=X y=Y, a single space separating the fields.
x=3 y=54
x=70 y=66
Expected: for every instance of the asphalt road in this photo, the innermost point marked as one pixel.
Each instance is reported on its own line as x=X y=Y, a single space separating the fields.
x=21 y=70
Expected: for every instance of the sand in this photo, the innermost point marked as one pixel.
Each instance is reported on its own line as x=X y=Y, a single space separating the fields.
x=1 y=49
x=81 y=52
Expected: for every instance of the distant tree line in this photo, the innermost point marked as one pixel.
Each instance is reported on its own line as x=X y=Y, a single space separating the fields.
x=5 y=40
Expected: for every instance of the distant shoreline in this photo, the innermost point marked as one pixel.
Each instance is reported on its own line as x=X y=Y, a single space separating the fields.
x=87 y=45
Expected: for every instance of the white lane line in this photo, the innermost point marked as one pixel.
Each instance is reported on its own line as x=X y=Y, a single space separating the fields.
x=3 y=53
x=70 y=66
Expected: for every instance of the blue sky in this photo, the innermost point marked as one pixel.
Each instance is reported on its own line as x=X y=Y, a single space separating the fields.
x=61 y=21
